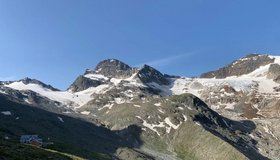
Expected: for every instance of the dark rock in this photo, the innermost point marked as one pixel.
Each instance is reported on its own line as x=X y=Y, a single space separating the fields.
x=148 y=75
x=112 y=68
x=83 y=83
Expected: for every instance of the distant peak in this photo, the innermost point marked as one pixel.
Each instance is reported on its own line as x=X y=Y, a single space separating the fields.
x=113 y=60
x=148 y=74
x=28 y=80
x=147 y=67
x=111 y=68
x=252 y=55
x=242 y=66
x=112 y=64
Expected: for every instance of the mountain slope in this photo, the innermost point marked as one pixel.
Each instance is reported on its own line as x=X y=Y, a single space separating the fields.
x=153 y=113
x=70 y=134
x=59 y=129
x=240 y=67
x=12 y=150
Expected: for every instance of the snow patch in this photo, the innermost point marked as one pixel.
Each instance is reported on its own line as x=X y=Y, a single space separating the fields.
x=277 y=59
x=189 y=108
x=185 y=117
x=181 y=108
x=128 y=93
x=64 y=97
x=7 y=113
x=3 y=92
x=167 y=121
x=157 y=104
x=252 y=136
x=60 y=119
x=197 y=123
x=85 y=112
x=119 y=100
x=27 y=101
x=267 y=130
x=109 y=106
x=96 y=77
x=230 y=106
x=98 y=70
x=160 y=110
x=260 y=72
x=267 y=85
x=67 y=112
x=215 y=107
x=151 y=126
x=115 y=81
x=180 y=86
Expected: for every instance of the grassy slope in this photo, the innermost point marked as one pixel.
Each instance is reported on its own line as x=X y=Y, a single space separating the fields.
x=190 y=141
x=200 y=144
x=73 y=136
x=15 y=151
x=11 y=150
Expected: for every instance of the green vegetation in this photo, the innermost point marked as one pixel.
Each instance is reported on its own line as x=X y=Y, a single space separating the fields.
x=15 y=151
x=60 y=147
x=200 y=144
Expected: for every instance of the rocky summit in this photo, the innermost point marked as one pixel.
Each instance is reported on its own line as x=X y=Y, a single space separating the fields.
x=115 y=111
x=240 y=67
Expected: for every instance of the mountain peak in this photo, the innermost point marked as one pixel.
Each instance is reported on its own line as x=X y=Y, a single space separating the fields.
x=110 y=64
x=250 y=55
x=111 y=68
x=242 y=66
x=28 y=80
x=148 y=74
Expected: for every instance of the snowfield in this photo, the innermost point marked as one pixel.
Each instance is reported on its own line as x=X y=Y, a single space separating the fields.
x=64 y=97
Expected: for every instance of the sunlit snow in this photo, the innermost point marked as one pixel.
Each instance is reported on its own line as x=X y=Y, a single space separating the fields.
x=7 y=113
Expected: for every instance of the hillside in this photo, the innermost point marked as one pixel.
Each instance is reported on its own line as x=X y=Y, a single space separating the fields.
x=12 y=150
x=127 y=112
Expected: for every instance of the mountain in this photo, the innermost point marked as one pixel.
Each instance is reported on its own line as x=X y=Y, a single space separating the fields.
x=230 y=113
x=242 y=66
x=115 y=71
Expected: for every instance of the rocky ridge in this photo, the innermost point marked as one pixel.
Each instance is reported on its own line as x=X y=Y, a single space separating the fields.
x=240 y=67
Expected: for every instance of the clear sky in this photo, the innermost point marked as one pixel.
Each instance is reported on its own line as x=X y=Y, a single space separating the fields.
x=56 y=40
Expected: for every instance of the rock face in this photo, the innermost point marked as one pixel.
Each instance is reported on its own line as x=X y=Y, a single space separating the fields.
x=112 y=68
x=83 y=83
x=274 y=72
x=148 y=74
x=240 y=67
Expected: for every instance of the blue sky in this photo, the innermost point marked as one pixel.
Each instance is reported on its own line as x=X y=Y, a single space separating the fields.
x=56 y=40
